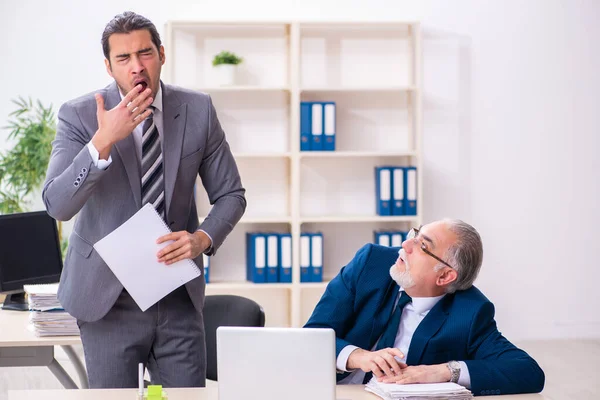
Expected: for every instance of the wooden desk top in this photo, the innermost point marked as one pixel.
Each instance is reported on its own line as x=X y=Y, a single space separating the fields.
x=344 y=392
x=15 y=332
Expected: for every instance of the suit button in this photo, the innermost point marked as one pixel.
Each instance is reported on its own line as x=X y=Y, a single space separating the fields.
x=84 y=170
x=76 y=184
x=81 y=175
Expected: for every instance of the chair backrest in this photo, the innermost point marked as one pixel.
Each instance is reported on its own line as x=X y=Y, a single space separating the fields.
x=227 y=310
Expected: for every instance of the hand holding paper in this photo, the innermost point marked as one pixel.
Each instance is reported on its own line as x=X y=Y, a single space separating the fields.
x=130 y=252
x=184 y=245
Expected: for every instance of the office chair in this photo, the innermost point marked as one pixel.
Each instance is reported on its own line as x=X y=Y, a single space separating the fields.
x=227 y=310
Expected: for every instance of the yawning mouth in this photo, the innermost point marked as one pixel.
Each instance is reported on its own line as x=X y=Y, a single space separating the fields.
x=141 y=82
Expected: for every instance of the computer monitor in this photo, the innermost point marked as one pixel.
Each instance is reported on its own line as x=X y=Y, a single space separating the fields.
x=29 y=254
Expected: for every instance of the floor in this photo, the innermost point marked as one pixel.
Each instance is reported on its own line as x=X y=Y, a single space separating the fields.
x=572 y=370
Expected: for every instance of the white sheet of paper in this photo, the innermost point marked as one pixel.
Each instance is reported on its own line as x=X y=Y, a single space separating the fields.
x=130 y=252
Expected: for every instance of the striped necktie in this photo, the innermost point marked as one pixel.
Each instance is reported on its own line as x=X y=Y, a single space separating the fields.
x=153 y=188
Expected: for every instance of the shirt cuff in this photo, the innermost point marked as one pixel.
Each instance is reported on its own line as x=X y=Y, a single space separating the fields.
x=342 y=359
x=210 y=248
x=100 y=164
x=464 y=379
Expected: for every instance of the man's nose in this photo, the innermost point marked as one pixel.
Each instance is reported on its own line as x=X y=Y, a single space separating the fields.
x=136 y=65
x=407 y=245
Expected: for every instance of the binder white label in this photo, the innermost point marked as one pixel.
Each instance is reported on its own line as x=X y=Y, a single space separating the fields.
x=396 y=240
x=317 y=251
x=259 y=252
x=411 y=183
x=272 y=251
x=329 y=119
x=205 y=260
x=384 y=185
x=384 y=240
x=304 y=251
x=286 y=252
x=398 y=184
x=317 y=119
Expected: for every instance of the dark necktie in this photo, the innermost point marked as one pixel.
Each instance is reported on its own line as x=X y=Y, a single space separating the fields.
x=153 y=188
x=391 y=330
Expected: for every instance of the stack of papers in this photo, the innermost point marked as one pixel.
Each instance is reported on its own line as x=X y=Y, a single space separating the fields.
x=53 y=323
x=43 y=297
x=47 y=316
x=391 y=391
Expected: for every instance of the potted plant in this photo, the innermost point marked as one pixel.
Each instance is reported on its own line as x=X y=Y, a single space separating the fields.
x=23 y=168
x=225 y=65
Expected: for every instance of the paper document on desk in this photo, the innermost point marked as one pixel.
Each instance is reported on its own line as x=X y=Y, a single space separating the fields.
x=43 y=297
x=391 y=391
x=130 y=252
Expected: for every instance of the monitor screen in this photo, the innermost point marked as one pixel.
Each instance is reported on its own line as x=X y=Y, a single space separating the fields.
x=29 y=250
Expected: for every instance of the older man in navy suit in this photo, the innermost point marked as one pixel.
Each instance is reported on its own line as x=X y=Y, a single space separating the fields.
x=422 y=320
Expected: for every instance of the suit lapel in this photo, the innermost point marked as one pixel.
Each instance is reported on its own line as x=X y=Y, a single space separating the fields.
x=126 y=149
x=383 y=312
x=174 y=118
x=432 y=322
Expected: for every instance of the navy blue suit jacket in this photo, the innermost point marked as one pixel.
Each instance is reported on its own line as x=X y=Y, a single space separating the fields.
x=359 y=300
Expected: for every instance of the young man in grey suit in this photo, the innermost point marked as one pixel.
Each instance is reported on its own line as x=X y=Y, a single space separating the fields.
x=134 y=142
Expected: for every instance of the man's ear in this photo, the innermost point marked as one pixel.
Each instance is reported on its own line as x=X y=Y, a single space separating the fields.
x=447 y=276
x=161 y=55
x=108 y=68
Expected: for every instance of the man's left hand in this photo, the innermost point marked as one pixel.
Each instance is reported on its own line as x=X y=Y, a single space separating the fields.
x=185 y=245
x=420 y=374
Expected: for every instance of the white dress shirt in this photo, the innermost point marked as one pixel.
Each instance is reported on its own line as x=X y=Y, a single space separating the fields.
x=412 y=315
x=137 y=133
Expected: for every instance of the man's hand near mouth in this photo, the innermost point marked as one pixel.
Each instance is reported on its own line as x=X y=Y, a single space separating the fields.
x=116 y=124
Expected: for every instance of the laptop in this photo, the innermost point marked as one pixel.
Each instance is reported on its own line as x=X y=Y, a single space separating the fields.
x=276 y=363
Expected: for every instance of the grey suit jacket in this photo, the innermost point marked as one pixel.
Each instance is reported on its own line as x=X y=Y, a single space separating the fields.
x=193 y=143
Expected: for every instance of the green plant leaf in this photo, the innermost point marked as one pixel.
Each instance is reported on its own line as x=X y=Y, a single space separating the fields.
x=226 y=57
x=22 y=169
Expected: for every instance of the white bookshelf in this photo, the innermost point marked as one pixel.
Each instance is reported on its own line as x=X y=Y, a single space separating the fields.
x=372 y=71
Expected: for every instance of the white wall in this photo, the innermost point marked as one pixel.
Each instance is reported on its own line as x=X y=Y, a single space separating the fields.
x=510 y=122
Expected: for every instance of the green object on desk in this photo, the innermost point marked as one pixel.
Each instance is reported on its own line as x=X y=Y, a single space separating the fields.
x=155 y=392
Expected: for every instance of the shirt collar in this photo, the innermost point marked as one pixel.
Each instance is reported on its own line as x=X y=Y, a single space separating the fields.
x=158 y=101
x=424 y=304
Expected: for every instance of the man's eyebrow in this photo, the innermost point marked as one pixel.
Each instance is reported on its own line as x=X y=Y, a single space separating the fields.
x=147 y=49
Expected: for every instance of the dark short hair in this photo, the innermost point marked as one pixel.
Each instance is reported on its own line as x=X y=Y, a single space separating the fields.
x=125 y=23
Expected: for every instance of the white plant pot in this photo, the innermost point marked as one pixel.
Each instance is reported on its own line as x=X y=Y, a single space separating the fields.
x=225 y=74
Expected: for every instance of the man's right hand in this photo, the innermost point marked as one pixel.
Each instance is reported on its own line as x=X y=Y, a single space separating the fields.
x=381 y=362
x=116 y=124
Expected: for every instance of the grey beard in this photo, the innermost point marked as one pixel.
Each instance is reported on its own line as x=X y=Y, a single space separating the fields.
x=403 y=279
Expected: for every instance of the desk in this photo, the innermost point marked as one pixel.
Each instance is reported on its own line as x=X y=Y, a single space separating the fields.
x=344 y=392
x=19 y=347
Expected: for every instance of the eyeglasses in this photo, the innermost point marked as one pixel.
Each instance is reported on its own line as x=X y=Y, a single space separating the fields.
x=412 y=235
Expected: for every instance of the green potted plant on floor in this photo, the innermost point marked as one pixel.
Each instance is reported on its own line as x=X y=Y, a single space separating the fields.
x=225 y=64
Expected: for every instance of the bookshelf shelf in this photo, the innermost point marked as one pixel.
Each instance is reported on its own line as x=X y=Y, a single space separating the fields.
x=372 y=71
x=220 y=89
x=261 y=155
x=261 y=220
x=355 y=154
x=247 y=286
x=358 y=89
x=357 y=219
